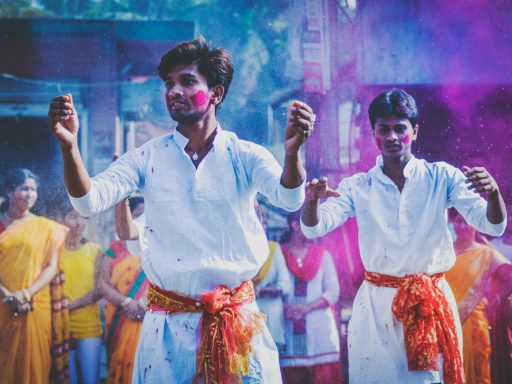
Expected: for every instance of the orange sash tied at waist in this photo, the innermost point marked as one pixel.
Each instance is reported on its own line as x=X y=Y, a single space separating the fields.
x=429 y=325
x=226 y=329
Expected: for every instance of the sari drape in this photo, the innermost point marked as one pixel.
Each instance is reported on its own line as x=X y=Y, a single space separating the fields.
x=122 y=333
x=468 y=280
x=34 y=344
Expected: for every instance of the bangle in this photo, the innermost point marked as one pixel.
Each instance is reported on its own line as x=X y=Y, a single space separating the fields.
x=26 y=295
x=126 y=301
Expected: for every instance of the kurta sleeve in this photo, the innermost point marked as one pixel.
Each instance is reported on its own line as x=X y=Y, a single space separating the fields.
x=283 y=280
x=330 y=283
x=266 y=175
x=332 y=213
x=123 y=177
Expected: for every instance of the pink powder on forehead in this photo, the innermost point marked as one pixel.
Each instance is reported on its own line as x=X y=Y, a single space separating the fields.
x=199 y=99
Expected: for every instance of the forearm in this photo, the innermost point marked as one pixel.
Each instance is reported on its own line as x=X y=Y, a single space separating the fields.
x=84 y=301
x=293 y=171
x=76 y=177
x=125 y=228
x=319 y=303
x=496 y=210
x=4 y=292
x=43 y=279
x=309 y=215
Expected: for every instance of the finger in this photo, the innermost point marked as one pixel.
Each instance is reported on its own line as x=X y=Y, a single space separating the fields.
x=471 y=171
x=60 y=112
x=478 y=175
x=314 y=182
x=303 y=125
x=302 y=105
x=332 y=193
x=115 y=156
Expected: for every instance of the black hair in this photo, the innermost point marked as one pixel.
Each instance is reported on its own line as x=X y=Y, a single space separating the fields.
x=395 y=102
x=133 y=202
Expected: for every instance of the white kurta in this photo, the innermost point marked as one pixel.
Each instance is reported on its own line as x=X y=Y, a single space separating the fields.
x=202 y=231
x=278 y=276
x=322 y=344
x=399 y=234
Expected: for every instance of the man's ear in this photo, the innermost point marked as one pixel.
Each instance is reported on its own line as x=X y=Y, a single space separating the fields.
x=217 y=94
x=415 y=131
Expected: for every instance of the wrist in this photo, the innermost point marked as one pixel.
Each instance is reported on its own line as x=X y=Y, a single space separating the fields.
x=127 y=300
x=26 y=295
x=292 y=154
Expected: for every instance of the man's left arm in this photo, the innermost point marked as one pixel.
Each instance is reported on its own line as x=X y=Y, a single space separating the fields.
x=301 y=120
x=481 y=181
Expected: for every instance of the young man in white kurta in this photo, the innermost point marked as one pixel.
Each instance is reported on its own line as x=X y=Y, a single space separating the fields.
x=401 y=232
x=199 y=186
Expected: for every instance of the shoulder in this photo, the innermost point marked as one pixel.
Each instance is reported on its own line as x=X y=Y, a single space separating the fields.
x=243 y=146
x=52 y=225
x=358 y=179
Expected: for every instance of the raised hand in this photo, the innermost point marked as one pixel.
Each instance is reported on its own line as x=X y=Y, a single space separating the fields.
x=63 y=120
x=301 y=121
x=318 y=189
x=480 y=180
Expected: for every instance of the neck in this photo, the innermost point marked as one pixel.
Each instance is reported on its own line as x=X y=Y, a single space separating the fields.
x=74 y=240
x=298 y=242
x=16 y=214
x=395 y=166
x=197 y=133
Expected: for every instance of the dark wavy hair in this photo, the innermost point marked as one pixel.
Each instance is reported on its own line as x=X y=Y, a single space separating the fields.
x=395 y=102
x=13 y=179
x=213 y=63
x=134 y=201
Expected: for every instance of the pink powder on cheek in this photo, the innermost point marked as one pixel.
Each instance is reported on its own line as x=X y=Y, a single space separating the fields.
x=406 y=139
x=378 y=141
x=199 y=99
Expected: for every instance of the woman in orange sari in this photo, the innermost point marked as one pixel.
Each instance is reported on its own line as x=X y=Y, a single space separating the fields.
x=123 y=284
x=34 y=335
x=473 y=269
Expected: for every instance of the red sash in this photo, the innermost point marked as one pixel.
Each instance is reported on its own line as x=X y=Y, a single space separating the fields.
x=226 y=329
x=429 y=326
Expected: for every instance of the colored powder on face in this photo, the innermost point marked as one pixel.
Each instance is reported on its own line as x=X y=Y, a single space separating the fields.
x=199 y=99
x=378 y=141
x=406 y=139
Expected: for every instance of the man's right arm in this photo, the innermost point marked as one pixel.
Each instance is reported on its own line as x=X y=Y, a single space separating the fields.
x=318 y=219
x=64 y=123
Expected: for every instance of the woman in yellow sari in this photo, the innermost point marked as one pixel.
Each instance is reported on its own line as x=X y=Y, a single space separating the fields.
x=34 y=337
x=475 y=264
x=123 y=284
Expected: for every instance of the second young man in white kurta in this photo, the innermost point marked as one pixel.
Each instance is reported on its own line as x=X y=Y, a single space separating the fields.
x=400 y=206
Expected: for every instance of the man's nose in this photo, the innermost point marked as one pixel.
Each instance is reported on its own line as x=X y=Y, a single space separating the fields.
x=175 y=91
x=392 y=136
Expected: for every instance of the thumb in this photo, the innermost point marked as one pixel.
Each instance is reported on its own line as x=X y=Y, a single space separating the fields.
x=332 y=193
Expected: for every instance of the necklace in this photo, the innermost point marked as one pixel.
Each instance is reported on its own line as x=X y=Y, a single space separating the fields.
x=198 y=151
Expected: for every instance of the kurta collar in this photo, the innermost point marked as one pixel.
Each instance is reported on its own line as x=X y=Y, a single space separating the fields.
x=182 y=141
x=411 y=165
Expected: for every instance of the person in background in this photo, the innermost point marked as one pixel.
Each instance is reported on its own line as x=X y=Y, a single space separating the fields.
x=312 y=354
x=474 y=267
x=84 y=312
x=500 y=321
x=504 y=243
x=271 y=284
x=34 y=333
x=123 y=284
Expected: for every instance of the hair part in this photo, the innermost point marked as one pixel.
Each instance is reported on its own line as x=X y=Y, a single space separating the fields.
x=395 y=102
x=215 y=64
